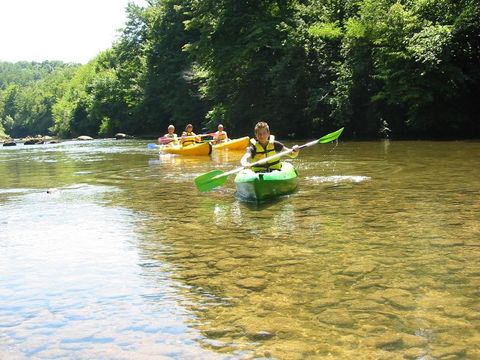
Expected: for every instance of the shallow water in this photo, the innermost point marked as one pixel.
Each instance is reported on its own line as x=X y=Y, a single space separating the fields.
x=375 y=256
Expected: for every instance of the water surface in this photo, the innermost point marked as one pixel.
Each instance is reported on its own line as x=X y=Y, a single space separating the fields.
x=375 y=256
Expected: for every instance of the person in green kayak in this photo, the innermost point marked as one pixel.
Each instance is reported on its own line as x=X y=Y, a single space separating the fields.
x=265 y=145
x=170 y=137
x=220 y=136
x=188 y=136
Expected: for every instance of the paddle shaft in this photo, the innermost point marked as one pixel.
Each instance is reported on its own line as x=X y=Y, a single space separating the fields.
x=165 y=138
x=267 y=159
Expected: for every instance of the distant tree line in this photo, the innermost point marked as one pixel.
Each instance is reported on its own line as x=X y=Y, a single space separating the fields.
x=398 y=68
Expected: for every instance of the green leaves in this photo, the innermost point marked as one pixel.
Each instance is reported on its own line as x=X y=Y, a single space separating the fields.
x=303 y=66
x=28 y=94
x=428 y=45
x=327 y=31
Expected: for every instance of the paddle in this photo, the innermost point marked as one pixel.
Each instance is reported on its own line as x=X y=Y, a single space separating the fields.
x=214 y=178
x=165 y=140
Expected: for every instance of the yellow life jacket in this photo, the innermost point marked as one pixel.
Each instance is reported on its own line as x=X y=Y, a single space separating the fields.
x=262 y=153
x=190 y=141
x=220 y=137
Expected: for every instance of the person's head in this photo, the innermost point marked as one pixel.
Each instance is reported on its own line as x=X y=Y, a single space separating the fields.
x=189 y=128
x=262 y=131
x=220 y=127
x=171 y=129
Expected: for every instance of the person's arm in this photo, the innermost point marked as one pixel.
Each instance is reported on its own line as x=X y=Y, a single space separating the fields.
x=295 y=149
x=215 y=138
x=182 y=138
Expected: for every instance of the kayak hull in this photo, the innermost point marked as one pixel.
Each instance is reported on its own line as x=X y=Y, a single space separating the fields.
x=253 y=186
x=191 y=150
x=239 y=144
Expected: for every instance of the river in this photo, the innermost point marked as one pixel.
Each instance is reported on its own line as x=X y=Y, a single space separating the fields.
x=108 y=251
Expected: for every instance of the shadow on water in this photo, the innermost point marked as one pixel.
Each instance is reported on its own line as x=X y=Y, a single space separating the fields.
x=262 y=205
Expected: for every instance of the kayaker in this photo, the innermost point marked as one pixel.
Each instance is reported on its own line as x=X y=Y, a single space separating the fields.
x=265 y=145
x=188 y=136
x=220 y=135
x=170 y=137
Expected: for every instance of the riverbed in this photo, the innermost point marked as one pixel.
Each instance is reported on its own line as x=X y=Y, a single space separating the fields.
x=108 y=251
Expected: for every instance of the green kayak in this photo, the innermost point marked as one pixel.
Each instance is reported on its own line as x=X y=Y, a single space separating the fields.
x=264 y=186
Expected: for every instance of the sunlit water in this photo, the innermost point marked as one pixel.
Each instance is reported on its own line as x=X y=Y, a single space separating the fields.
x=376 y=256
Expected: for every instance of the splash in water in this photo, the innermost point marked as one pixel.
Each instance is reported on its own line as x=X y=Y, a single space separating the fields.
x=338 y=179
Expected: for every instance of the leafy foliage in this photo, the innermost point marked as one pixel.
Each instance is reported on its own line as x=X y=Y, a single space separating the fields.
x=400 y=68
x=28 y=93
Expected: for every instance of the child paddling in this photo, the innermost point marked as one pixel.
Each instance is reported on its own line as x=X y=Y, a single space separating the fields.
x=170 y=137
x=188 y=136
x=263 y=146
x=220 y=136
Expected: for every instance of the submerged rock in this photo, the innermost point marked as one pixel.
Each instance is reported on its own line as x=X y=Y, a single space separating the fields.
x=252 y=284
x=260 y=335
x=338 y=317
x=400 y=298
x=387 y=342
x=359 y=269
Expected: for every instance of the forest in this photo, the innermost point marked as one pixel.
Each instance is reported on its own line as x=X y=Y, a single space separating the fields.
x=403 y=69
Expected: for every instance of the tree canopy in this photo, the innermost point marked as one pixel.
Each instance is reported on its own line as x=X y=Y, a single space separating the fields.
x=398 y=68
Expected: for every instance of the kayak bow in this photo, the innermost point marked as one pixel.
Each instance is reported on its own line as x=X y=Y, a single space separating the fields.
x=235 y=144
x=254 y=186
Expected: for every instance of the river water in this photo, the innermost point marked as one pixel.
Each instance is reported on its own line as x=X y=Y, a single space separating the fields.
x=108 y=251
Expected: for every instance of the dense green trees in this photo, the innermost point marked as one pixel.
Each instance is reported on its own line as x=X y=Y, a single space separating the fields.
x=404 y=68
x=417 y=85
x=28 y=91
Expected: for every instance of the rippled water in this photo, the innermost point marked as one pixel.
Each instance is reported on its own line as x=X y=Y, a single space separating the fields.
x=374 y=257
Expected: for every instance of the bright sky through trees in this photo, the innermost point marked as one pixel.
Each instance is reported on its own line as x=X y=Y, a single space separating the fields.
x=66 y=30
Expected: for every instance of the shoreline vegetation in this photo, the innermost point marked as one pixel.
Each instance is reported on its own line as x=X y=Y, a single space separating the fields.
x=379 y=68
x=46 y=139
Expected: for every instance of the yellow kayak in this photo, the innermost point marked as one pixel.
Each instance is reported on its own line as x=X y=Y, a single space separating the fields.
x=191 y=150
x=235 y=144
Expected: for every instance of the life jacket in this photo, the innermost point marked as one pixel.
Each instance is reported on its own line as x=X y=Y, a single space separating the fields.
x=220 y=137
x=190 y=141
x=171 y=136
x=262 y=153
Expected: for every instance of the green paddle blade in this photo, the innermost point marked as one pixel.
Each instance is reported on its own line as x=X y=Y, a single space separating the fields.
x=210 y=180
x=330 y=137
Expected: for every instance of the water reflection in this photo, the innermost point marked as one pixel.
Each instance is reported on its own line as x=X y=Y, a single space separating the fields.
x=351 y=265
x=375 y=256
